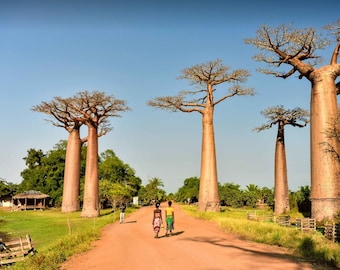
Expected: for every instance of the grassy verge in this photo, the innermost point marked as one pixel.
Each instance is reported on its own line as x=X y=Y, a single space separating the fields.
x=311 y=246
x=55 y=235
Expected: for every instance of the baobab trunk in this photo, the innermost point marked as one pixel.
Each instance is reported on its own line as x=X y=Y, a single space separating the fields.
x=281 y=180
x=70 y=201
x=325 y=182
x=208 y=194
x=91 y=188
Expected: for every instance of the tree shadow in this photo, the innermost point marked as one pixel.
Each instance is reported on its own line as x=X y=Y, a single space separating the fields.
x=131 y=221
x=257 y=253
x=106 y=213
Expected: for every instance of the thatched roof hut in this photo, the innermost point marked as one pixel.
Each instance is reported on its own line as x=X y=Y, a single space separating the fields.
x=31 y=199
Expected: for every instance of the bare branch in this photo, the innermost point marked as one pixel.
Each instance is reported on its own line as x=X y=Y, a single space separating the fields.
x=334 y=29
x=59 y=109
x=208 y=74
x=285 y=45
x=335 y=54
x=176 y=103
x=236 y=90
x=96 y=107
x=296 y=117
x=84 y=107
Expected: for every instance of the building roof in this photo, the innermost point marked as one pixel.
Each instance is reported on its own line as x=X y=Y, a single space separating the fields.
x=31 y=194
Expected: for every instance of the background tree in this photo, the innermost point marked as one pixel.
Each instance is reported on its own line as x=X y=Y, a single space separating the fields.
x=153 y=191
x=295 y=48
x=114 y=170
x=267 y=196
x=300 y=201
x=252 y=195
x=7 y=188
x=34 y=174
x=189 y=190
x=231 y=195
x=59 y=109
x=281 y=117
x=45 y=172
x=94 y=110
x=142 y=196
x=208 y=75
x=115 y=193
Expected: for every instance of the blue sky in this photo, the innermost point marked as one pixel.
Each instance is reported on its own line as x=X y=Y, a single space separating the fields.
x=135 y=50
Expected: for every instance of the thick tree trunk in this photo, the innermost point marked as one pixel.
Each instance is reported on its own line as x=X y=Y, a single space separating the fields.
x=208 y=195
x=281 y=179
x=91 y=188
x=325 y=181
x=70 y=201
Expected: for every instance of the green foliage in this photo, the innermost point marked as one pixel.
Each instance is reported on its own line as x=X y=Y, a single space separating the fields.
x=152 y=191
x=7 y=189
x=231 y=195
x=300 y=201
x=267 y=196
x=45 y=172
x=307 y=247
x=112 y=169
x=252 y=195
x=117 y=181
x=115 y=193
x=190 y=189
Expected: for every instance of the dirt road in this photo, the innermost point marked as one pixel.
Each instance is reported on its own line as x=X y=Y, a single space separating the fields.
x=196 y=245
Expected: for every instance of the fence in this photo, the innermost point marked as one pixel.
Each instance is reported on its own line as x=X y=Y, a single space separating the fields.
x=283 y=221
x=332 y=232
x=306 y=224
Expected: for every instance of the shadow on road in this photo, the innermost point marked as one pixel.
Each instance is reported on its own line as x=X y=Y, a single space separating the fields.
x=173 y=234
x=216 y=241
x=132 y=221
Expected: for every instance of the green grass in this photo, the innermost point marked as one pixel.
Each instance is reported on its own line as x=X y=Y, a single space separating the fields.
x=55 y=235
x=312 y=246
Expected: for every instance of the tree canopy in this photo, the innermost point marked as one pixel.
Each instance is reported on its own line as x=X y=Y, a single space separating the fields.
x=296 y=117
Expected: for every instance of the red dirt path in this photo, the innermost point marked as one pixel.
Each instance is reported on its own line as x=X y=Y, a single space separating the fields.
x=196 y=245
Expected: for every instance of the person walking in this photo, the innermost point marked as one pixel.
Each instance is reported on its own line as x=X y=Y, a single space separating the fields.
x=157 y=220
x=169 y=218
x=122 y=212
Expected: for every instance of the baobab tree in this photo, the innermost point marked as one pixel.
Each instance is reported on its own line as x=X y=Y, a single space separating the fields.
x=296 y=49
x=59 y=109
x=207 y=75
x=281 y=117
x=94 y=110
x=333 y=132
